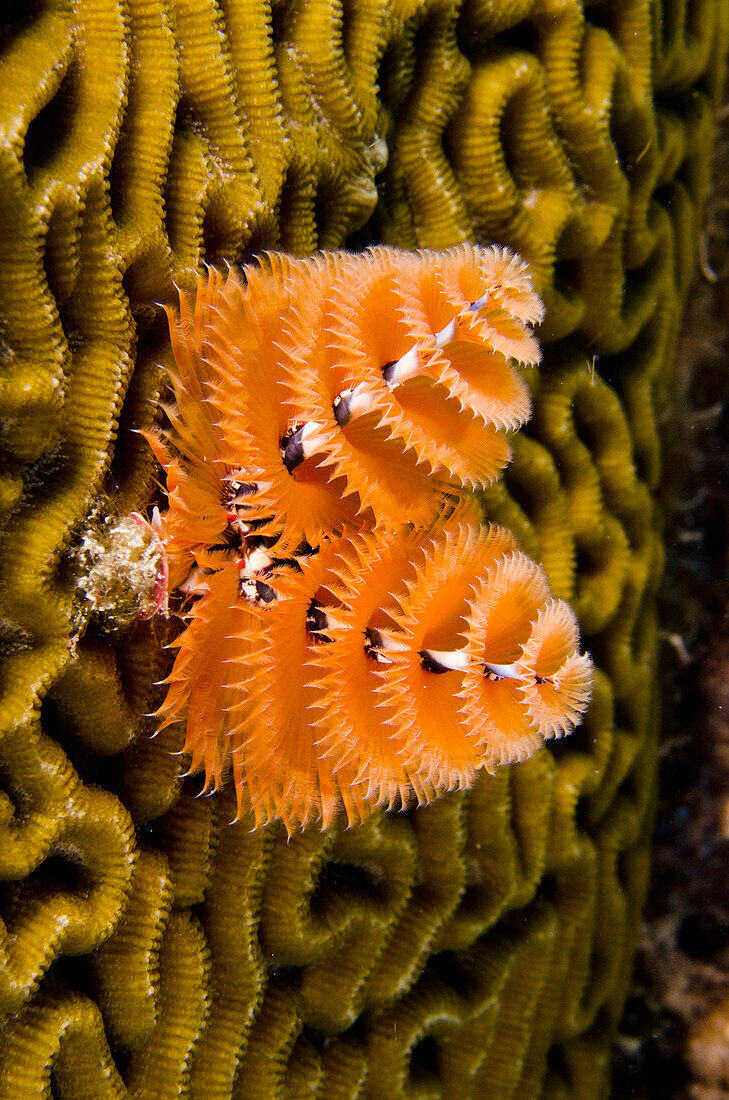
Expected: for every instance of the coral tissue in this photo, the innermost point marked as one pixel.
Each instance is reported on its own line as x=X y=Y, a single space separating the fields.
x=355 y=635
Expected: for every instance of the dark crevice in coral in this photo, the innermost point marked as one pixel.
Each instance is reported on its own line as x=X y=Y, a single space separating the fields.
x=17 y=16
x=48 y=133
x=424 y=1064
x=337 y=878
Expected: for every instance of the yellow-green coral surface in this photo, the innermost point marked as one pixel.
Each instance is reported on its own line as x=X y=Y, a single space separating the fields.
x=479 y=947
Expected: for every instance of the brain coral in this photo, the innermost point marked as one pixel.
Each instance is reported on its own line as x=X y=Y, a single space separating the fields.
x=478 y=946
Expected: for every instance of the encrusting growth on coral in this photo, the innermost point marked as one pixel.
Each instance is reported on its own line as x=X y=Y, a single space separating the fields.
x=356 y=636
x=125 y=569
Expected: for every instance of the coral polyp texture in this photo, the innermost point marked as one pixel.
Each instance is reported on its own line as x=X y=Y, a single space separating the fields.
x=479 y=945
x=354 y=636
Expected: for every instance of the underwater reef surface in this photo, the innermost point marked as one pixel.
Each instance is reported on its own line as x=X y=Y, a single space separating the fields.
x=672 y=1041
x=480 y=946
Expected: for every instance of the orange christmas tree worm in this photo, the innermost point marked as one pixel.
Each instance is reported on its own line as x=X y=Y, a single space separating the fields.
x=355 y=635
